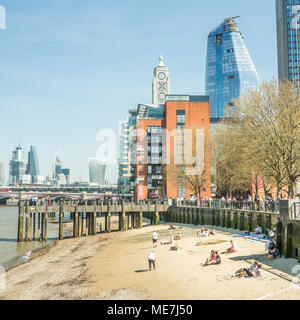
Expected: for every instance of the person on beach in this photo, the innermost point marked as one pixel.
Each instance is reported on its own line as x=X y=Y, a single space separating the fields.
x=213 y=231
x=258 y=230
x=211 y=259
x=253 y=271
x=205 y=233
x=154 y=239
x=233 y=248
x=167 y=242
x=273 y=252
x=151 y=260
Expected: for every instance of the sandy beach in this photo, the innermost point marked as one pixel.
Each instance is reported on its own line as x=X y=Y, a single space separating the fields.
x=114 y=266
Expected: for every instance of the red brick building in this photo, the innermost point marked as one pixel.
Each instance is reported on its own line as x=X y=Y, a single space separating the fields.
x=173 y=141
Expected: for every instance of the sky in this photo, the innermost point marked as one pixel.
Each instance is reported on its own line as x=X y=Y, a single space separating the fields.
x=69 y=68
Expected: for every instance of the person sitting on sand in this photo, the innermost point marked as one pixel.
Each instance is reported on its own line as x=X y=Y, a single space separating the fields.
x=205 y=233
x=253 y=271
x=172 y=227
x=212 y=231
x=212 y=258
x=177 y=236
x=174 y=248
x=258 y=230
x=233 y=248
x=168 y=242
x=273 y=251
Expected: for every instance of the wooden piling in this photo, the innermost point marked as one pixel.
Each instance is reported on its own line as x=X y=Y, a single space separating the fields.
x=156 y=215
x=46 y=225
x=61 y=221
x=34 y=226
x=42 y=225
x=27 y=223
x=141 y=217
x=30 y=226
x=123 y=221
x=109 y=217
x=20 y=221
x=75 y=224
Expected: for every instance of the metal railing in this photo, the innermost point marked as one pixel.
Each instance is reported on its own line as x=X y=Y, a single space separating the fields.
x=262 y=206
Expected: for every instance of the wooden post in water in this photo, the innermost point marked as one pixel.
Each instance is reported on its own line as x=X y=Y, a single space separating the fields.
x=20 y=221
x=27 y=222
x=61 y=220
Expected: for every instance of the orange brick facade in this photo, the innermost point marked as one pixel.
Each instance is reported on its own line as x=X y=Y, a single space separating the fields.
x=197 y=123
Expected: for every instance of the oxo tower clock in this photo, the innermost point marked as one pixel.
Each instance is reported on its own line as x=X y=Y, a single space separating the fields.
x=161 y=83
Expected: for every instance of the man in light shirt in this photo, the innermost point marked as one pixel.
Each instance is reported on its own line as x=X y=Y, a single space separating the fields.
x=154 y=238
x=151 y=260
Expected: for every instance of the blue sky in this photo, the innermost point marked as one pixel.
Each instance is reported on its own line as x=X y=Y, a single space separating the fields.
x=69 y=68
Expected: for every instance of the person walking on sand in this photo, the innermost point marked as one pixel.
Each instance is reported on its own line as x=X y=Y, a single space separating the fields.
x=151 y=260
x=154 y=239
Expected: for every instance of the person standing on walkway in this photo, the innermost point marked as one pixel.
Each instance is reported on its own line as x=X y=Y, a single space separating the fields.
x=151 y=260
x=154 y=239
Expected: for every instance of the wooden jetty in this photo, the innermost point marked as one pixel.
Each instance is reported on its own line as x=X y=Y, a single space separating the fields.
x=33 y=220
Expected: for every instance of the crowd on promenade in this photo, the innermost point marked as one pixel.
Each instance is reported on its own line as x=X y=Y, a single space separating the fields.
x=267 y=204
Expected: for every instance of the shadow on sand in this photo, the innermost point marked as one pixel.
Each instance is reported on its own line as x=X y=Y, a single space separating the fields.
x=141 y=271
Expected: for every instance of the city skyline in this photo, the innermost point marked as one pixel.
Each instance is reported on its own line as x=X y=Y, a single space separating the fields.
x=71 y=94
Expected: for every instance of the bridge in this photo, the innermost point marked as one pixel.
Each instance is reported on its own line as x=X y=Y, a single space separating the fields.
x=51 y=195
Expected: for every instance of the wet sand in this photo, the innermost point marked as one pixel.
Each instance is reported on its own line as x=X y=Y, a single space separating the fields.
x=114 y=266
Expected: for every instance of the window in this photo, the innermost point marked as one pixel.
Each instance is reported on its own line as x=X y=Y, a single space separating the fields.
x=230 y=77
x=219 y=39
x=180 y=118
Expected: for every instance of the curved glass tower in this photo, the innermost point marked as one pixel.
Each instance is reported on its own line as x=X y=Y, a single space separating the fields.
x=288 y=39
x=229 y=68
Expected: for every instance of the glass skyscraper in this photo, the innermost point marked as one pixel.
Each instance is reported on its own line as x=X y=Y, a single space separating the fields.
x=32 y=167
x=229 y=68
x=288 y=39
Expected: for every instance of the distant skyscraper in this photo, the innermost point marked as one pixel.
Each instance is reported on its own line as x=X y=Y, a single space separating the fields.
x=97 y=170
x=57 y=168
x=16 y=166
x=161 y=83
x=66 y=173
x=288 y=39
x=2 y=183
x=32 y=167
x=229 y=68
